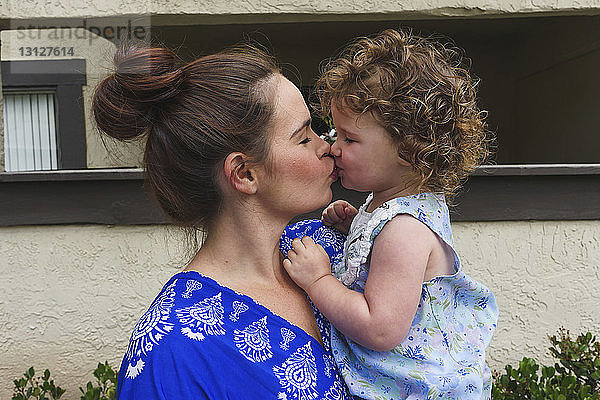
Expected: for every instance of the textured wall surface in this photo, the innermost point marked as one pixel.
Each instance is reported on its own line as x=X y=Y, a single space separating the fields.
x=544 y=275
x=72 y=294
x=89 y=8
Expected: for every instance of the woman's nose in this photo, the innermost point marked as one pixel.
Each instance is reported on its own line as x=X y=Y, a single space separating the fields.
x=335 y=149
x=324 y=149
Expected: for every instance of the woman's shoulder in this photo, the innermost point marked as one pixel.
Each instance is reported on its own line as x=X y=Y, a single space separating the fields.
x=328 y=237
x=207 y=337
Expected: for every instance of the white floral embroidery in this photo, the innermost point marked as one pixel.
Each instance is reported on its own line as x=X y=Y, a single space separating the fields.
x=287 y=336
x=191 y=286
x=253 y=341
x=204 y=317
x=285 y=244
x=151 y=327
x=328 y=236
x=298 y=374
x=329 y=365
x=238 y=308
x=335 y=392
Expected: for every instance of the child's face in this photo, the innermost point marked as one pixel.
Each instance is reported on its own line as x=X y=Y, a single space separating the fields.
x=365 y=155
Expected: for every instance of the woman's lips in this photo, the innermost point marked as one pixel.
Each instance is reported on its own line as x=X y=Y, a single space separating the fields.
x=334 y=173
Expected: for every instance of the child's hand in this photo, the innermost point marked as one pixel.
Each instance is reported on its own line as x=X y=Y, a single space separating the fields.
x=339 y=214
x=307 y=262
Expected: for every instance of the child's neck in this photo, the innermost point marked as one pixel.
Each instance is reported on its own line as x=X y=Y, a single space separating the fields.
x=380 y=197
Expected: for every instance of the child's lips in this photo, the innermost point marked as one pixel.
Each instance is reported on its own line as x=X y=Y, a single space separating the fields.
x=338 y=168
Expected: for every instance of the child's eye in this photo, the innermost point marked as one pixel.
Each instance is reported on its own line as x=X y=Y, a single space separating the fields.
x=348 y=140
x=305 y=140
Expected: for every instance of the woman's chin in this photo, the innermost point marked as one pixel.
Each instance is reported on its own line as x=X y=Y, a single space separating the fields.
x=327 y=197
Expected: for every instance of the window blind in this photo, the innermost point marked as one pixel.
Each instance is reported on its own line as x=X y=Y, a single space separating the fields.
x=29 y=131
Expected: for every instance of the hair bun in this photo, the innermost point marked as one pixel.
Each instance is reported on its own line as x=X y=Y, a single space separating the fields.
x=144 y=79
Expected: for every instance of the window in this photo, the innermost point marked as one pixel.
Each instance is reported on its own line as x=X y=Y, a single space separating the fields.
x=29 y=131
x=43 y=115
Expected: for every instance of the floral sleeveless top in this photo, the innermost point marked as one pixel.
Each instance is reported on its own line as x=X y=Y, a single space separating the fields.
x=443 y=354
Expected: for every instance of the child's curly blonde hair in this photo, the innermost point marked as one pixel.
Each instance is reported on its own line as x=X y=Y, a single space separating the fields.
x=421 y=93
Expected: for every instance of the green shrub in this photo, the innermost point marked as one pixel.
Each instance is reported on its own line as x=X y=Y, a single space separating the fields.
x=576 y=376
x=104 y=389
x=29 y=387
x=106 y=381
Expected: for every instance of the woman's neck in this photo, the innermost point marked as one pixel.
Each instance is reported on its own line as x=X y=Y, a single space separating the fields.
x=243 y=247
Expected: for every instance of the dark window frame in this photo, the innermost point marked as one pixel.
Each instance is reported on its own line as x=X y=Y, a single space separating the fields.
x=120 y=196
x=65 y=78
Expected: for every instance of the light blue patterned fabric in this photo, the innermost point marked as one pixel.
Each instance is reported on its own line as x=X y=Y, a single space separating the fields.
x=201 y=340
x=443 y=354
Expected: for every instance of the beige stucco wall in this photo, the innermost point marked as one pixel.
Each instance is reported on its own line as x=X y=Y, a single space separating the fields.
x=97 y=53
x=71 y=294
x=287 y=10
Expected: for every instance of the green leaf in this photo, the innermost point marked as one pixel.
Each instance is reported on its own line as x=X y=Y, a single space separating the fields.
x=111 y=393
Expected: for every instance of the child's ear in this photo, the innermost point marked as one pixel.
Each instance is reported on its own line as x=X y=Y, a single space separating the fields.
x=403 y=162
x=239 y=173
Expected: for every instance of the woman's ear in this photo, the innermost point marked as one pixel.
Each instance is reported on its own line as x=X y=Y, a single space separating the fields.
x=239 y=173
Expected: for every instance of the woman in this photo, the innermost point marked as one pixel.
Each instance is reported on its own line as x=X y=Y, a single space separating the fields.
x=229 y=150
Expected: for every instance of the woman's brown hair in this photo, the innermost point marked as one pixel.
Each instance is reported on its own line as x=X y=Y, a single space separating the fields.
x=421 y=92
x=192 y=116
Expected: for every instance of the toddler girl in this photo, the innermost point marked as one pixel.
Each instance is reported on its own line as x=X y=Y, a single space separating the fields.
x=408 y=323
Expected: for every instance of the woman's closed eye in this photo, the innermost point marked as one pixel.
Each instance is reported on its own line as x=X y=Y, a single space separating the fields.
x=305 y=141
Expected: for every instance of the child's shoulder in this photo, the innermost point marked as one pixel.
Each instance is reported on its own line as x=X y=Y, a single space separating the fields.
x=420 y=211
x=405 y=229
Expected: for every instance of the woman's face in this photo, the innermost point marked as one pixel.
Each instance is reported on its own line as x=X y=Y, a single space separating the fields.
x=299 y=171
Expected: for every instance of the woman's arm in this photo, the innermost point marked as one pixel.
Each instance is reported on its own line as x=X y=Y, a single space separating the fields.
x=381 y=317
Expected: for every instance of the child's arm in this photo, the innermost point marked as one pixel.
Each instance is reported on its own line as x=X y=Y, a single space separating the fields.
x=339 y=214
x=381 y=318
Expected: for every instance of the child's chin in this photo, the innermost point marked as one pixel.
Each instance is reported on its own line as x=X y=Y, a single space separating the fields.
x=346 y=184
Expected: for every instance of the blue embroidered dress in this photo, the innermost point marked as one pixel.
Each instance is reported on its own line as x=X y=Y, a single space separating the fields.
x=201 y=340
x=443 y=354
